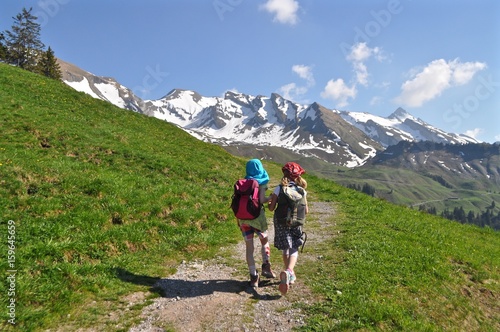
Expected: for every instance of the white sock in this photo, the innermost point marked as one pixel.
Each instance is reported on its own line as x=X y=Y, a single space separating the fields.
x=253 y=270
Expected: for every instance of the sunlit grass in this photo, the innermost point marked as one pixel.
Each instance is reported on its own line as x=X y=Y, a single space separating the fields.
x=106 y=201
x=93 y=189
x=399 y=269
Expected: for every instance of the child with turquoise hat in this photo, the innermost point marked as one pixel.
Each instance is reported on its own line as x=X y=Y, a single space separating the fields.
x=255 y=170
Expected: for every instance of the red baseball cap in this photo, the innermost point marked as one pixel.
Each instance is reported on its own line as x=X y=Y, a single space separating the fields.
x=293 y=170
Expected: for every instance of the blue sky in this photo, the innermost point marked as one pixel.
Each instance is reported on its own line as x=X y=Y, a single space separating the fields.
x=438 y=59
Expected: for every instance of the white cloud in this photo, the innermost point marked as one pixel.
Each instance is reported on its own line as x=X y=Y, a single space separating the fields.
x=285 y=11
x=360 y=52
x=463 y=72
x=426 y=85
x=437 y=76
x=338 y=91
x=361 y=73
x=304 y=72
x=375 y=101
x=474 y=133
x=292 y=91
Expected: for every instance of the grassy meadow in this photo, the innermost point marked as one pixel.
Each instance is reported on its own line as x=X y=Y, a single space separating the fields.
x=99 y=202
x=95 y=191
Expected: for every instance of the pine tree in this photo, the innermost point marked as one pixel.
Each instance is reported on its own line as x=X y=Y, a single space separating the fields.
x=48 y=65
x=3 y=49
x=23 y=43
x=367 y=189
x=459 y=214
x=471 y=218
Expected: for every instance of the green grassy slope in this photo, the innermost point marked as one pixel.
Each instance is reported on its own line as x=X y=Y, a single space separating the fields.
x=106 y=201
x=394 y=268
x=93 y=189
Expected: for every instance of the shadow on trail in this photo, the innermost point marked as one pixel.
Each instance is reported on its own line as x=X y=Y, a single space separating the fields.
x=178 y=288
x=136 y=279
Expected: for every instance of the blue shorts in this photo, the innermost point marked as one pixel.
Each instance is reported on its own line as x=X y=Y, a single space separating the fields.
x=248 y=232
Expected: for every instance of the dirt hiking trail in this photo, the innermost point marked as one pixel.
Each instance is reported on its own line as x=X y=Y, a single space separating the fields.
x=214 y=295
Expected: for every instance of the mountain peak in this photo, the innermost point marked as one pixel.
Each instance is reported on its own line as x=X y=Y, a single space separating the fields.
x=400 y=114
x=229 y=94
x=343 y=138
x=177 y=93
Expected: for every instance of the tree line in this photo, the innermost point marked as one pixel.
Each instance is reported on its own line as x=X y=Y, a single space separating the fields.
x=22 y=47
x=486 y=218
x=483 y=218
x=366 y=188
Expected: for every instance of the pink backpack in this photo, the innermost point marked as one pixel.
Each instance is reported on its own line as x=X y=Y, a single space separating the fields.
x=245 y=201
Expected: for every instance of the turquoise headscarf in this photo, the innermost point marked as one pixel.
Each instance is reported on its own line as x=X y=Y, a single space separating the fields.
x=256 y=171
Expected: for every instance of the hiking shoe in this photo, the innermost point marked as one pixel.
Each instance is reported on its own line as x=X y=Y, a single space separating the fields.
x=267 y=272
x=254 y=280
x=284 y=282
x=292 y=278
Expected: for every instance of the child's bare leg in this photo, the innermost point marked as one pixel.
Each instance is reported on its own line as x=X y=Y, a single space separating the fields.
x=265 y=250
x=249 y=256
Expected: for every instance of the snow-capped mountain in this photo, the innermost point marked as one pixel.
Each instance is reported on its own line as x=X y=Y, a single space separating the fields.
x=401 y=126
x=342 y=138
x=236 y=118
x=105 y=88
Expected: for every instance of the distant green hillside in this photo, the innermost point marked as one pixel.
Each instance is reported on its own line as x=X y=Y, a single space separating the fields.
x=420 y=186
x=98 y=202
x=461 y=181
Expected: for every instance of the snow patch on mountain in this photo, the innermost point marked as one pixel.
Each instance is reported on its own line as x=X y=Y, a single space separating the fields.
x=340 y=137
x=111 y=94
x=401 y=125
x=82 y=86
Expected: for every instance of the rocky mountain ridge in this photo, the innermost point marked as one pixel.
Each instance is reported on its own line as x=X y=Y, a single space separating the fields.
x=471 y=163
x=339 y=137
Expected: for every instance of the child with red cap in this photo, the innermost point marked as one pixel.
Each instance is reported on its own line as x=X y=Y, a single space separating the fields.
x=288 y=235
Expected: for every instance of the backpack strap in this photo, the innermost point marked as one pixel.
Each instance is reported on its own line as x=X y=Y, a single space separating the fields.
x=303 y=238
